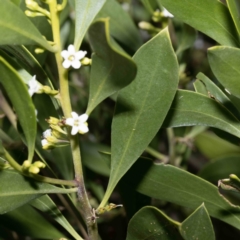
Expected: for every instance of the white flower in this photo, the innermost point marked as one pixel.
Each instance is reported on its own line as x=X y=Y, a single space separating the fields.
x=34 y=86
x=44 y=142
x=72 y=58
x=166 y=13
x=78 y=123
x=47 y=133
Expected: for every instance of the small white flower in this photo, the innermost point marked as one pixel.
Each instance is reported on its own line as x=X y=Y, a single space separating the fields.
x=78 y=123
x=44 y=142
x=72 y=58
x=166 y=13
x=47 y=133
x=34 y=86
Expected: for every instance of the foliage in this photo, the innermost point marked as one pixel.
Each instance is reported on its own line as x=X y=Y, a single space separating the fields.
x=138 y=138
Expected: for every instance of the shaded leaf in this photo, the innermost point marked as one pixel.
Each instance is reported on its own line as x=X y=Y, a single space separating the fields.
x=46 y=205
x=221 y=167
x=85 y=11
x=198 y=225
x=224 y=62
x=139 y=116
x=190 y=108
x=111 y=69
x=16 y=28
x=27 y=221
x=22 y=103
x=216 y=23
x=174 y=185
x=212 y=146
x=16 y=190
x=152 y=224
x=121 y=25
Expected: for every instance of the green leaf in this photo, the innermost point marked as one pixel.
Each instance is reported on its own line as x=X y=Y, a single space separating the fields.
x=121 y=25
x=213 y=146
x=198 y=226
x=188 y=37
x=17 y=29
x=46 y=205
x=22 y=103
x=234 y=8
x=175 y=185
x=151 y=224
x=111 y=69
x=208 y=16
x=143 y=105
x=86 y=11
x=224 y=62
x=190 y=108
x=27 y=221
x=150 y=5
x=221 y=167
x=16 y=190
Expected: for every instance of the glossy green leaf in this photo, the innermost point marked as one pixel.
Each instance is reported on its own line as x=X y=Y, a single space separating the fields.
x=152 y=224
x=224 y=62
x=175 y=185
x=21 y=101
x=111 y=69
x=187 y=38
x=16 y=190
x=208 y=16
x=221 y=167
x=85 y=11
x=198 y=226
x=234 y=8
x=143 y=105
x=27 y=221
x=190 y=108
x=213 y=146
x=121 y=25
x=46 y=205
x=17 y=29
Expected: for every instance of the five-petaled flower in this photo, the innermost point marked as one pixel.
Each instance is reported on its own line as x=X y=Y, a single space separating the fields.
x=72 y=58
x=34 y=86
x=78 y=123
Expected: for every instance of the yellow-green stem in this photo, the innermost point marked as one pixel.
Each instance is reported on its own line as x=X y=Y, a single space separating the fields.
x=74 y=142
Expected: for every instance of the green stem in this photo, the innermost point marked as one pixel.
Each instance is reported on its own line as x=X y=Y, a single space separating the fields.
x=171 y=143
x=157 y=154
x=74 y=141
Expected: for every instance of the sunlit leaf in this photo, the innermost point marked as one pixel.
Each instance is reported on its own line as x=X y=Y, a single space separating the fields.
x=208 y=16
x=234 y=7
x=143 y=105
x=85 y=14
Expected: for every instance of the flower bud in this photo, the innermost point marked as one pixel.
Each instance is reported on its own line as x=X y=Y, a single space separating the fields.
x=86 y=61
x=39 y=164
x=33 y=169
x=49 y=91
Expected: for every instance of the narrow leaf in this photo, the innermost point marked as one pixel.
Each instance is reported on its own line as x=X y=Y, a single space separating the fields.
x=151 y=224
x=174 y=185
x=198 y=225
x=143 y=105
x=27 y=221
x=16 y=190
x=86 y=11
x=111 y=69
x=22 y=103
x=121 y=25
x=190 y=108
x=224 y=62
x=234 y=7
x=16 y=28
x=46 y=205
x=208 y=16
